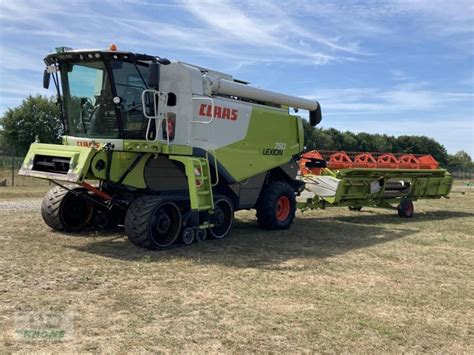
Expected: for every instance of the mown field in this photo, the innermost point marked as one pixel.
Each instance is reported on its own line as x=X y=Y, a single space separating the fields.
x=338 y=281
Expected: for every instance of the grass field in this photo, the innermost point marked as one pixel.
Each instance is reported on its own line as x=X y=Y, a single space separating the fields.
x=6 y=179
x=337 y=281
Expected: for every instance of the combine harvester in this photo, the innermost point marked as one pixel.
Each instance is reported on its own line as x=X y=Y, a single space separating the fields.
x=170 y=150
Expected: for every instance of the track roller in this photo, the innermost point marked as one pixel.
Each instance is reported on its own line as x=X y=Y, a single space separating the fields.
x=201 y=235
x=187 y=235
x=153 y=222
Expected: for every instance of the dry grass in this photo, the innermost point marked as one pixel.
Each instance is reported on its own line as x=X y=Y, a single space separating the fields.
x=338 y=281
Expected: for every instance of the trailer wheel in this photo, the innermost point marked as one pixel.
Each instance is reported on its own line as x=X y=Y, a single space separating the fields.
x=62 y=210
x=276 y=206
x=405 y=208
x=224 y=216
x=153 y=222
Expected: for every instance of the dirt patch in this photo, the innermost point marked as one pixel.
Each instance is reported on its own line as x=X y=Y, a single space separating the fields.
x=20 y=205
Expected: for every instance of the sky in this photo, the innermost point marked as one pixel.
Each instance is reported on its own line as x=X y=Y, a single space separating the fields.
x=390 y=67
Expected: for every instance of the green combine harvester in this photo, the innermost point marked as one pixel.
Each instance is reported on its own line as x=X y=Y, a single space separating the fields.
x=171 y=150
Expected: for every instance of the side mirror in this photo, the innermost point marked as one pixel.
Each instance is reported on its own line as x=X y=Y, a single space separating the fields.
x=46 y=79
x=154 y=75
x=315 y=116
x=164 y=61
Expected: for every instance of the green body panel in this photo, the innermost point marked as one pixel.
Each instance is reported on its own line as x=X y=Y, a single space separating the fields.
x=80 y=158
x=268 y=130
x=424 y=183
x=156 y=147
x=354 y=188
x=121 y=161
x=84 y=161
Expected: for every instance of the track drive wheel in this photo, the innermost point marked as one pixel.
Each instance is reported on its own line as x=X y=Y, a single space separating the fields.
x=153 y=222
x=224 y=218
x=276 y=206
x=62 y=210
x=405 y=208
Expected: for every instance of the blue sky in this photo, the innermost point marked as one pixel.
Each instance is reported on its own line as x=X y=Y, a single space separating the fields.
x=394 y=67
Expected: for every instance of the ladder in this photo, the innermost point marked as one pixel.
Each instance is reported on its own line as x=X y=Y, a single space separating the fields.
x=199 y=182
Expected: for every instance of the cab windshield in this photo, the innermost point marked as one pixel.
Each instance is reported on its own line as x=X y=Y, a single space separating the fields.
x=89 y=95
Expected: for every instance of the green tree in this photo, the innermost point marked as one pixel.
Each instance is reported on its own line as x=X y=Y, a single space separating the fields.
x=460 y=161
x=422 y=145
x=36 y=116
x=2 y=139
x=333 y=139
x=349 y=142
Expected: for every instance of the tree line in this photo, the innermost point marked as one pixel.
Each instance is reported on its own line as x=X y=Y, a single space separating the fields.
x=38 y=116
x=333 y=139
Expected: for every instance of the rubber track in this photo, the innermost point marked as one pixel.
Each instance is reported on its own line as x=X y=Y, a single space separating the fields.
x=51 y=206
x=137 y=220
x=266 y=217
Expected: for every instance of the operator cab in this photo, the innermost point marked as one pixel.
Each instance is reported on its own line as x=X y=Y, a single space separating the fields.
x=102 y=92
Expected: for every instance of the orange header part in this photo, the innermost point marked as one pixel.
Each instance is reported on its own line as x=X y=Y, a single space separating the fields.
x=347 y=160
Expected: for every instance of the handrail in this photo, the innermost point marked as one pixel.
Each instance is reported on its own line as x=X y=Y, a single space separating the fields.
x=158 y=116
x=212 y=109
x=215 y=165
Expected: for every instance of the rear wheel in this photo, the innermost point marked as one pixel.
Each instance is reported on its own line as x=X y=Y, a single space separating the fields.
x=64 y=210
x=153 y=222
x=405 y=208
x=224 y=217
x=276 y=206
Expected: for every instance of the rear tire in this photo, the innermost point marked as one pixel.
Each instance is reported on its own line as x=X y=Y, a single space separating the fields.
x=62 y=210
x=276 y=206
x=152 y=222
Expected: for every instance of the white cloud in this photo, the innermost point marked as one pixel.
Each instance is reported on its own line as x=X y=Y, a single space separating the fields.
x=271 y=29
x=397 y=99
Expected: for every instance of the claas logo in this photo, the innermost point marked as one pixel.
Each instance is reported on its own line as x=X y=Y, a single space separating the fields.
x=225 y=113
x=88 y=144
